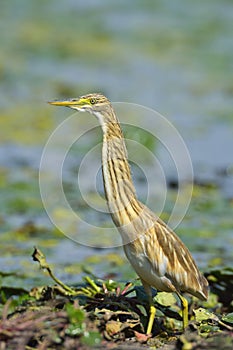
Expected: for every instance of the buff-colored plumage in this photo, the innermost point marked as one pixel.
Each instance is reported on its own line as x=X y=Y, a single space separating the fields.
x=156 y=253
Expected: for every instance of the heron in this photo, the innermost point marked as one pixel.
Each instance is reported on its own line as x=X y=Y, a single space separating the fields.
x=156 y=253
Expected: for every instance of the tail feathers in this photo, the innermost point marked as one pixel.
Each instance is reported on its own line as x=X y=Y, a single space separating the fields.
x=203 y=291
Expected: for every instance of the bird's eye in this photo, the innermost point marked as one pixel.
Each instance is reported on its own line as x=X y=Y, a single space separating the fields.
x=92 y=101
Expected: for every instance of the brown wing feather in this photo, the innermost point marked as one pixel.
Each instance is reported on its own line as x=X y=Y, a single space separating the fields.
x=172 y=259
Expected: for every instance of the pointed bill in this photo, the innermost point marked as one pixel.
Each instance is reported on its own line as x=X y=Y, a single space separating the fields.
x=65 y=103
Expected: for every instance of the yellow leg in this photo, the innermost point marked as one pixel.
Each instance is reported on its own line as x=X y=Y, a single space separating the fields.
x=184 y=304
x=152 y=312
x=152 y=309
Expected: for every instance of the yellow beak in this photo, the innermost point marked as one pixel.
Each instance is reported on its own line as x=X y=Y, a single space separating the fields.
x=66 y=103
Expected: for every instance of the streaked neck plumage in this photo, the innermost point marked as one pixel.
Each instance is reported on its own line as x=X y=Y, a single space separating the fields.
x=118 y=184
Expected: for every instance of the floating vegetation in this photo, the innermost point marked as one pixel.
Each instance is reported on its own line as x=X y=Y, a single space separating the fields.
x=101 y=313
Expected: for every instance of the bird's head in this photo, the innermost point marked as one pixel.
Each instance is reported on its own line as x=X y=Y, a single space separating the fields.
x=92 y=103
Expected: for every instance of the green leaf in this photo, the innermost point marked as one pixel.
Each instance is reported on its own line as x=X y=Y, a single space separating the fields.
x=204 y=315
x=165 y=299
x=91 y=338
x=76 y=315
x=228 y=318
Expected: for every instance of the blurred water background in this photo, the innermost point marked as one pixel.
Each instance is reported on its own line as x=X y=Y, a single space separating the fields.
x=175 y=57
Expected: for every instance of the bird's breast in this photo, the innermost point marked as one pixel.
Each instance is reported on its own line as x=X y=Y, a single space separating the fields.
x=145 y=270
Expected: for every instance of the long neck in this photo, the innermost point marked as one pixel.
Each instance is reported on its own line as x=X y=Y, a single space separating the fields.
x=119 y=188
